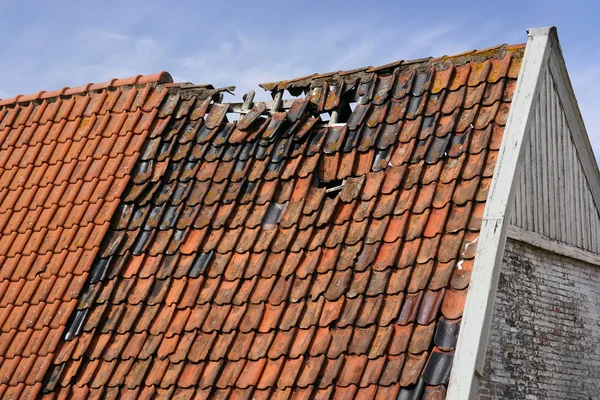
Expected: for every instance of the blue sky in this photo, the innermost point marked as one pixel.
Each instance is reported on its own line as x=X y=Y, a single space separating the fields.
x=48 y=45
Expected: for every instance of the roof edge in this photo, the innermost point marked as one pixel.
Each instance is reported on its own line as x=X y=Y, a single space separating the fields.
x=159 y=77
x=456 y=59
x=542 y=31
x=475 y=327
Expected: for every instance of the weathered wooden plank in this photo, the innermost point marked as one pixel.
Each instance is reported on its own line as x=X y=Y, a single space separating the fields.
x=554 y=156
x=525 y=211
x=546 y=138
x=541 y=171
x=553 y=191
x=595 y=220
x=517 y=209
x=572 y=235
x=576 y=209
x=586 y=210
x=530 y=211
x=545 y=243
x=581 y=140
x=565 y=232
x=239 y=107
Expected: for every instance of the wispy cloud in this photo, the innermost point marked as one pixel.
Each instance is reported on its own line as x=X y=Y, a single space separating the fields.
x=48 y=55
x=91 y=56
x=253 y=57
x=240 y=57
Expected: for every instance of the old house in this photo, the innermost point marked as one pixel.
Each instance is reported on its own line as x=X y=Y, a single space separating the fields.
x=366 y=234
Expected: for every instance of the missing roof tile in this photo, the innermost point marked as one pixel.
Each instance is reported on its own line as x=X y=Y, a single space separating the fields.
x=187 y=245
x=332 y=188
x=345 y=108
x=232 y=116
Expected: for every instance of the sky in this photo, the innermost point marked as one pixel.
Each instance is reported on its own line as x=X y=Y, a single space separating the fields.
x=48 y=45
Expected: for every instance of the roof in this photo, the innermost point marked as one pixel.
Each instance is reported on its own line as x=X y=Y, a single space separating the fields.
x=149 y=246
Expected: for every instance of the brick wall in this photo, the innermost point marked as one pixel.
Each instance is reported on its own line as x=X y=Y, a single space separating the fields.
x=545 y=339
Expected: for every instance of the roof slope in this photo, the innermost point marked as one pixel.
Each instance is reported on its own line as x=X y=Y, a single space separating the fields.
x=65 y=159
x=279 y=255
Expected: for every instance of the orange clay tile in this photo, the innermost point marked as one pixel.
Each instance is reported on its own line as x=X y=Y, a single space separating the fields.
x=453 y=303
x=63 y=145
x=421 y=338
x=186 y=254
x=412 y=368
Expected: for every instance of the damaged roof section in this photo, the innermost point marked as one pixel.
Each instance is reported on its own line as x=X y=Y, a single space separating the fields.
x=65 y=158
x=364 y=75
x=280 y=254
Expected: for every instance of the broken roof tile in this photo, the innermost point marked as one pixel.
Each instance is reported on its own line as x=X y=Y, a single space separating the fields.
x=270 y=256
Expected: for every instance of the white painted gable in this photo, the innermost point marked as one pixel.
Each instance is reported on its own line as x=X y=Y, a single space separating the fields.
x=558 y=190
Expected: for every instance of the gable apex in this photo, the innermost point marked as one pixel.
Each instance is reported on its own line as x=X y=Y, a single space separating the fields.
x=558 y=191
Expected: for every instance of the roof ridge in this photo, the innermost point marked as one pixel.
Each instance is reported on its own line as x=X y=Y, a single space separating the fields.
x=159 y=77
x=457 y=59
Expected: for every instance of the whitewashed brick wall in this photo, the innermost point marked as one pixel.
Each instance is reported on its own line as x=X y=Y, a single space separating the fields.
x=545 y=339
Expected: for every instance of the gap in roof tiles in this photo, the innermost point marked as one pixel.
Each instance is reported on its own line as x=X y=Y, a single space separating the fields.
x=275 y=255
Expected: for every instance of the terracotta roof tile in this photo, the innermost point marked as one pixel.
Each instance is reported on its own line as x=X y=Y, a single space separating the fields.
x=49 y=172
x=275 y=256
